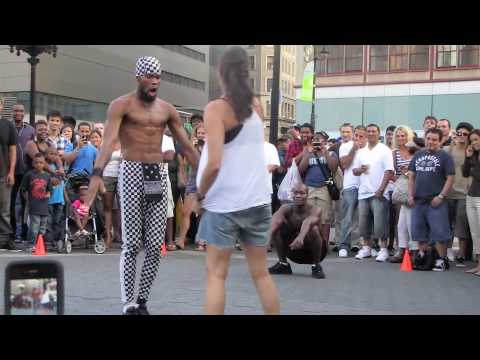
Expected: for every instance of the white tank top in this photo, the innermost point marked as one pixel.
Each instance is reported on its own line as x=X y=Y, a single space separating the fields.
x=113 y=166
x=242 y=181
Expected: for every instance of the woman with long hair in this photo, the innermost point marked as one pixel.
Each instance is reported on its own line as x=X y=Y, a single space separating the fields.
x=233 y=185
x=471 y=167
x=198 y=139
x=110 y=180
x=402 y=154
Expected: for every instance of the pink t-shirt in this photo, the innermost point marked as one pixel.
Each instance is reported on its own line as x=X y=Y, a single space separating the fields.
x=80 y=208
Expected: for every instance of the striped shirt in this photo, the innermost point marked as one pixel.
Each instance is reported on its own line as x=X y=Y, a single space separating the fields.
x=399 y=162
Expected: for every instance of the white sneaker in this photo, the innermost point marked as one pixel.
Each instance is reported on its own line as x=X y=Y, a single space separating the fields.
x=450 y=255
x=383 y=255
x=343 y=253
x=365 y=252
x=374 y=253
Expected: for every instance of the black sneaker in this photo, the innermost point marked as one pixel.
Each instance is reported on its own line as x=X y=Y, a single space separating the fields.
x=355 y=249
x=317 y=272
x=280 y=269
x=440 y=265
x=142 y=309
x=10 y=246
x=460 y=262
x=130 y=310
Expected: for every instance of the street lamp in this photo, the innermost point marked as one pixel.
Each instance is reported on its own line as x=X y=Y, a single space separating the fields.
x=324 y=53
x=275 y=95
x=34 y=51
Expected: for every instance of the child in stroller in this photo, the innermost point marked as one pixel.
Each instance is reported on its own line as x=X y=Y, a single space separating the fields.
x=81 y=224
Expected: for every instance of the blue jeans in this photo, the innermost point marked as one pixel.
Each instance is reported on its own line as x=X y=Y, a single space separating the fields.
x=373 y=211
x=349 y=204
x=250 y=226
x=37 y=225
x=430 y=223
x=56 y=223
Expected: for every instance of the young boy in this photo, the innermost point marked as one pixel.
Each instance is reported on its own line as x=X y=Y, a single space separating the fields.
x=38 y=185
x=56 y=204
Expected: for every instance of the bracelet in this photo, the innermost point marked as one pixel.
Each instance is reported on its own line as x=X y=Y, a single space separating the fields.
x=441 y=196
x=97 y=172
x=200 y=197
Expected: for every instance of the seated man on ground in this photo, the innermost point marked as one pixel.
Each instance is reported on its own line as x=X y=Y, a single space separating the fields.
x=296 y=235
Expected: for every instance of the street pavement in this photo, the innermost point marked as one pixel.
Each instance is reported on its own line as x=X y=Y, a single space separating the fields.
x=351 y=287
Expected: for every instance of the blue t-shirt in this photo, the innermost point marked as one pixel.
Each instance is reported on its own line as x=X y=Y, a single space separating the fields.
x=431 y=170
x=314 y=176
x=57 y=196
x=85 y=159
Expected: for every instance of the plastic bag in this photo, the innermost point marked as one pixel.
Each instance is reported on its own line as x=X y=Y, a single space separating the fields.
x=292 y=178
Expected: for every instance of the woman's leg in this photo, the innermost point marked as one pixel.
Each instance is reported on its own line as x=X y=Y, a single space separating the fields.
x=108 y=198
x=473 y=215
x=218 y=261
x=267 y=291
x=187 y=212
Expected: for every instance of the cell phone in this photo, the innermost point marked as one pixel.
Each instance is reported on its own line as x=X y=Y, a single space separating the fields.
x=34 y=288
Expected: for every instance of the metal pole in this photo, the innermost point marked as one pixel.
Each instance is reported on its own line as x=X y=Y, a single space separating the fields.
x=275 y=94
x=312 y=118
x=33 y=66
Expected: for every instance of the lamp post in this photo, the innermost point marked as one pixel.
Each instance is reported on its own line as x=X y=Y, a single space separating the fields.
x=323 y=52
x=34 y=51
x=275 y=95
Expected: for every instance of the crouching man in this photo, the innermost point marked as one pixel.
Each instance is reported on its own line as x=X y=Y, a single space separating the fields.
x=296 y=235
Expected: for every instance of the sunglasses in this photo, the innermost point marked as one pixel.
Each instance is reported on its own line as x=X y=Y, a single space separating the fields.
x=462 y=133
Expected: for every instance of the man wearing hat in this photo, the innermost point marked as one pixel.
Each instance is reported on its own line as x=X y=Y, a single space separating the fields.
x=138 y=120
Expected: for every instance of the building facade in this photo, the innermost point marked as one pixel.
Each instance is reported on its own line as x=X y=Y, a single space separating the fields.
x=394 y=84
x=261 y=80
x=82 y=80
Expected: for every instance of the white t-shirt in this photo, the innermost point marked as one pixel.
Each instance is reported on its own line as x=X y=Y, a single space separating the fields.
x=349 y=180
x=167 y=144
x=379 y=159
x=271 y=158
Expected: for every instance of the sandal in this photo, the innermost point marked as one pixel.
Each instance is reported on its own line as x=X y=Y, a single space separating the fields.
x=473 y=271
x=174 y=247
x=200 y=247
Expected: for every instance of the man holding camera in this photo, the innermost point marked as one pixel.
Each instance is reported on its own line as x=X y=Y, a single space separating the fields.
x=84 y=156
x=316 y=164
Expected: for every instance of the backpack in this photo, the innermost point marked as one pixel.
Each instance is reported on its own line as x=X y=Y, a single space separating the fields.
x=427 y=262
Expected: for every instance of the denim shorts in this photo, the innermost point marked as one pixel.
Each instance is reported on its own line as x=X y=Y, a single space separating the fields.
x=250 y=226
x=430 y=223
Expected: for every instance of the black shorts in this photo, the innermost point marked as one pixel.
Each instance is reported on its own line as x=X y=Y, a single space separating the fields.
x=303 y=255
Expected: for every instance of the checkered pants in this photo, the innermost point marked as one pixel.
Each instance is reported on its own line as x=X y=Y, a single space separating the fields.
x=142 y=222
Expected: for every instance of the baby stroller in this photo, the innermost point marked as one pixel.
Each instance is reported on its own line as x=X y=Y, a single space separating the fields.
x=72 y=235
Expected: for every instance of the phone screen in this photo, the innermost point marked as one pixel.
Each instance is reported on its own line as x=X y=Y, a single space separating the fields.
x=34 y=288
x=33 y=296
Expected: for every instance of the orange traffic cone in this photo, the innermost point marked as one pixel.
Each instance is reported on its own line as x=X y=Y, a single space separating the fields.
x=164 y=250
x=40 y=246
x=406 y=263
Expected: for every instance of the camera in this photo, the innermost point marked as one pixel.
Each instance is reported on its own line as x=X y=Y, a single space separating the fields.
x=201 y=142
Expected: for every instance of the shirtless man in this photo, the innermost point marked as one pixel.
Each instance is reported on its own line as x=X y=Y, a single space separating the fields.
x=139 y=120
x=296 y=235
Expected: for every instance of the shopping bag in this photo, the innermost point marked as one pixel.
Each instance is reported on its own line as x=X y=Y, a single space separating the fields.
x=292 y=178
